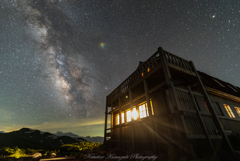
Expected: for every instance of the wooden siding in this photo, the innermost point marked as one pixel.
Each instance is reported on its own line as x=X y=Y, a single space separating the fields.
x=196 y=118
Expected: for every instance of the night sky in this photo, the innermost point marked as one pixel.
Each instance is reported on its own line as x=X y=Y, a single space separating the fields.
x=59 y=59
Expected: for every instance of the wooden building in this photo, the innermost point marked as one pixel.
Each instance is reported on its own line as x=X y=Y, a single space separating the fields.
x=166 y=103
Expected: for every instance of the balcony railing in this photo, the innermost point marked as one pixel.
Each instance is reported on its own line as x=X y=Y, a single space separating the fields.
x=178 y=61
x=146 y=67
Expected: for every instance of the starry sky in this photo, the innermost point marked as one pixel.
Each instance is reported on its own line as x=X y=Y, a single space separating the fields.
x=59 y=59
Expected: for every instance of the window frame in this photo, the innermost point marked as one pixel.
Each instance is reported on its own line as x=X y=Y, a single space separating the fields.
x=128 y=112
x=143 y=112
x=123 y=117
x=229 y=111
x=237 y=110
x=117 y=119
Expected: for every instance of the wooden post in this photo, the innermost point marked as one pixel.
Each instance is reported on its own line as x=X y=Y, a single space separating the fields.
x=111 y=125
x=147 y=97
x=178 y=119
x=132 y=124
x=150 y=114
x=176 y=104
x=105 y=128
x=200 y=117
x=210 y=106
x=120 y=122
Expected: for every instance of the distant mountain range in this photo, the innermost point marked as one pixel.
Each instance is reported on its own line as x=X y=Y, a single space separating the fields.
x=35 y=139
x=88 y=138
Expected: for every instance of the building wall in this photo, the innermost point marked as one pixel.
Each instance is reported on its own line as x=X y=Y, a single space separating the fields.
x=200 y=127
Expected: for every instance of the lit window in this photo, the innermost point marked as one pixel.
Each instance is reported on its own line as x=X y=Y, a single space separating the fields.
x=143 y=110
x=148 y=69
x=151 y=107
x=117 y=119
x=134 y=113
x=123 y=118
x=238 y=110
x=129 y=115
x=142 y=74
x=228 y=109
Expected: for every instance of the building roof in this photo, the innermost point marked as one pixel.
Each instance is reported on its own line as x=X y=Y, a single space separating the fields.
x=213 y=84
x=218 y=84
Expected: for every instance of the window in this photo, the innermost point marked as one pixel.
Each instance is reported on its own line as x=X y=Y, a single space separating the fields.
x=151 y=107
x=117 y=119
x=123 y=118
x=229 y=111
x=142 y=74
x=238 y=110
x=217 y=109
x=134 y=113
x=129 y=115
x=143 y=110
x=148 y=69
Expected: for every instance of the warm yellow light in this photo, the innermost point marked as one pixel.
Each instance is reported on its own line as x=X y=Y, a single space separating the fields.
x=128 y=113
x=134 y=113
x=148 y=69
x=117 y=119
x=123 y=118
x=229 y=110
x=142 y=74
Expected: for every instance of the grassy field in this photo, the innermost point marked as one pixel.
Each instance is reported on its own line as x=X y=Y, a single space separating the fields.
x=65 y=149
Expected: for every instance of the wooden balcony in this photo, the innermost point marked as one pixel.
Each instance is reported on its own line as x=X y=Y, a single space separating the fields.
x=148 y=66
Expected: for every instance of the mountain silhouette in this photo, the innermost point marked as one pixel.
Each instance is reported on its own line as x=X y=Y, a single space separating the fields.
x=35 y=139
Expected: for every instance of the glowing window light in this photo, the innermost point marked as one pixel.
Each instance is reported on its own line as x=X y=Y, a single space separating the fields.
x=147 y=110
x=229 y=111
x=151 y=107
x=143 y=110
x=142 y=74
x=238 y=110
x=134 y=113
x=117 y=119
x=148 y=69
x=123 y=118
x=129 y=115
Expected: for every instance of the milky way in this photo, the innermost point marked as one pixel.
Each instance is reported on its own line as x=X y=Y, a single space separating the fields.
x=59 y=59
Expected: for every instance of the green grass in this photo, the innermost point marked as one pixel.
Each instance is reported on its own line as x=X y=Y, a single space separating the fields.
x=77 y=147
x=66 y=148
